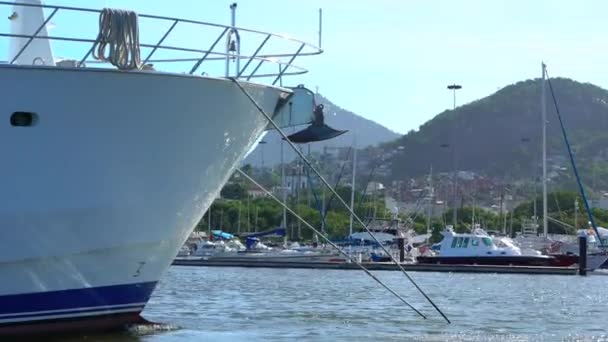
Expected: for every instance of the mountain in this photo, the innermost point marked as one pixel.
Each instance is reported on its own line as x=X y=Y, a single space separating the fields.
x=500 y=135
x=369 y=133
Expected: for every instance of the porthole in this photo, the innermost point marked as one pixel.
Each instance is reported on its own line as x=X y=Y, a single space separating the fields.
x=23 y=119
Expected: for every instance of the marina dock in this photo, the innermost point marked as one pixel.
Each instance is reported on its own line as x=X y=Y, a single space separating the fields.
x=377 y=266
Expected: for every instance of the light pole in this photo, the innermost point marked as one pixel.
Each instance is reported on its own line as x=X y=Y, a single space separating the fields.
x=248 y=212
x=284 y=193
x=576 y=213
x=262 y=143
x=209 y=220
x=454 y=184
x=453 y=88
x=239 y=219
x=526 y=140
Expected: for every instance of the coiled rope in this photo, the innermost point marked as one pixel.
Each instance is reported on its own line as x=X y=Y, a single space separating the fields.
x=118 y=31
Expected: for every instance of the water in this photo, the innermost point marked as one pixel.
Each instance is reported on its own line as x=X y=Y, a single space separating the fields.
x=238 y=304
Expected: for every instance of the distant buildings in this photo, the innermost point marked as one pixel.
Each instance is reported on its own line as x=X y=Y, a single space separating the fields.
x=374 y=188
x=256 y=193
x=601 y=203
x=296 y=183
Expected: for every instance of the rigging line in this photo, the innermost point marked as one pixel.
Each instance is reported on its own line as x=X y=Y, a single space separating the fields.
x=561 y=223
x=559 y=209
x=351 y=211
x=324 y=237
x=369 y=180
x=411 y=216
x=321 y=206
x=339 y=178
x=314 y=193
x=414 y=213
x=578 y=179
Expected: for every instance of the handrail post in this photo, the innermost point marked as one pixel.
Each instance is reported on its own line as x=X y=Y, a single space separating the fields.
x=229 y=37
x=320 y=26
x=238 y=51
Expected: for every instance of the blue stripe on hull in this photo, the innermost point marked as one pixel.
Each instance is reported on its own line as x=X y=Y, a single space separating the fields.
x=96 y=310
x=29 y=303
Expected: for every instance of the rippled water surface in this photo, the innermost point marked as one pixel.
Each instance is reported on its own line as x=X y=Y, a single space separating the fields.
x=239 y=304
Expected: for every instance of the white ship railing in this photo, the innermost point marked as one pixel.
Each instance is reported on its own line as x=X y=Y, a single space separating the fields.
x=254 y=61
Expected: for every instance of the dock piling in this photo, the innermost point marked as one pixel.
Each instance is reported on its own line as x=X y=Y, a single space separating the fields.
x=401 y=246
x=582 y=255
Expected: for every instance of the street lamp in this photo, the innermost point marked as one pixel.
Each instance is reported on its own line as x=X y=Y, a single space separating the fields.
x=526 y=140
x=453 y=88
x=454 y=186
x=262 y=143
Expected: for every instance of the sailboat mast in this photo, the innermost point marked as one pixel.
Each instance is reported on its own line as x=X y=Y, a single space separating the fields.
x=352 y=190
x=543 y=108
x=430 y=203
x=284 y=193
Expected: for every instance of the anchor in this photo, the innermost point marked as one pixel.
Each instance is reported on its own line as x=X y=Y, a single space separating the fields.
x=300 y=109
x=317 y=131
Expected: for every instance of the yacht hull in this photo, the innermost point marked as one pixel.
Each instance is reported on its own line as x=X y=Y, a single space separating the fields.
x=508 y=260
x=101 y=191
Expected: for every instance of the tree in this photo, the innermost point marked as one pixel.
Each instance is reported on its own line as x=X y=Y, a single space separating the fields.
x=234 y=190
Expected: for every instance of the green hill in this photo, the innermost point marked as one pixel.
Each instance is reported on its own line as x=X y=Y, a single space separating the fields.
x=501 y=134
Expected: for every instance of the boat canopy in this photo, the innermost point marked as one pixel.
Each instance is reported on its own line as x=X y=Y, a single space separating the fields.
x=221 y=235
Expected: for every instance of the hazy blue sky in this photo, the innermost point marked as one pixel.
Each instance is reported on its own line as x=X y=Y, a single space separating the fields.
x=390 y=61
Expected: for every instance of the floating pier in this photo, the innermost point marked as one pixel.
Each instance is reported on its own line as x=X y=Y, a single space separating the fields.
x=376 y=266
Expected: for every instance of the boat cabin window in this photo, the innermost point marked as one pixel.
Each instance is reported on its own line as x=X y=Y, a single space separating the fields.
x=487 y=241
x=474 y=242
x=501 y=244
x=461 y=242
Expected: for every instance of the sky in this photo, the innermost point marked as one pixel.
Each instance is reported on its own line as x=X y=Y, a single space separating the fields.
x=391 y=60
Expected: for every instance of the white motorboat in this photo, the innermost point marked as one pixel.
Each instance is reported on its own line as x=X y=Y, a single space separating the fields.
x=387 y=232
x=108 y=168
x=479 y=248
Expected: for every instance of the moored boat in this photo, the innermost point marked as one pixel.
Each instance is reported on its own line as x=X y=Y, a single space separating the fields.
x=479 y=248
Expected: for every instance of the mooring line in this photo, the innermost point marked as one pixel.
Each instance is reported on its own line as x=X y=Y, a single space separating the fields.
x=324 y=237
x=350 y=210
